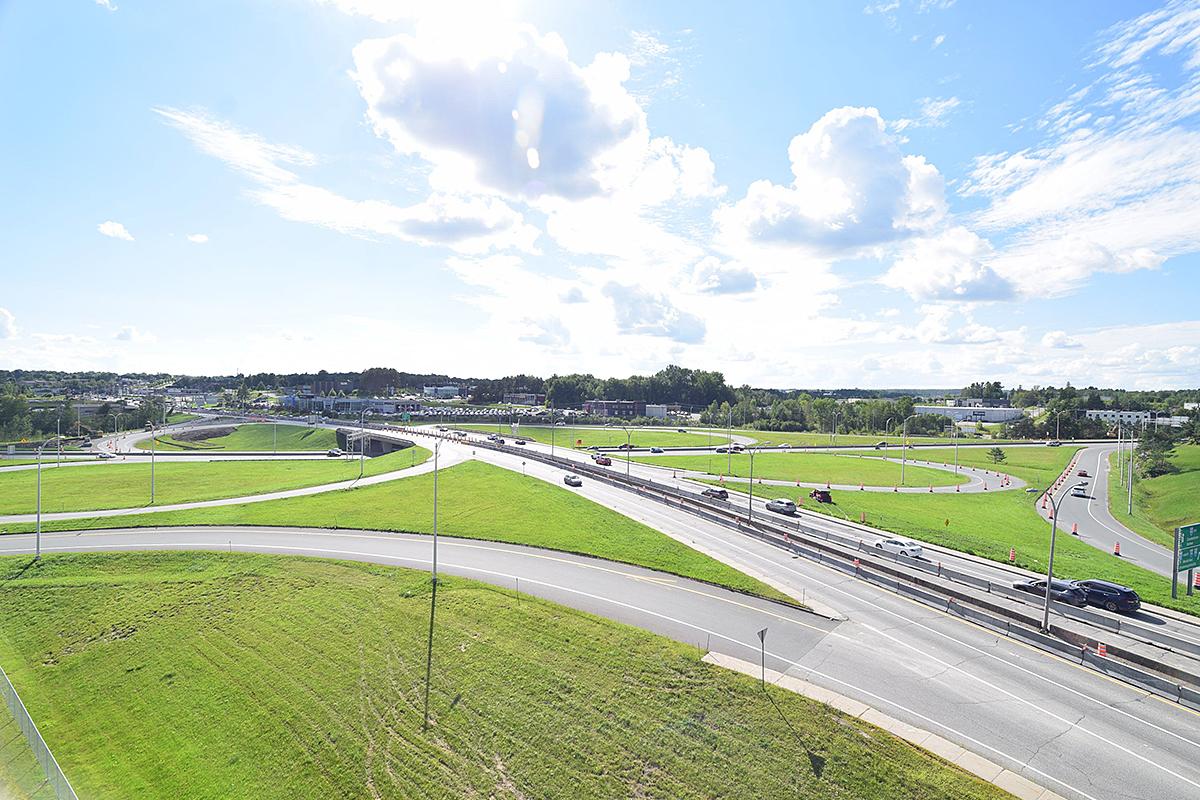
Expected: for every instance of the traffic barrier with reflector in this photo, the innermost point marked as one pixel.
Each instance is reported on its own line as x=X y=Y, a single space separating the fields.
x=1102 y=650
x=1116 y=548
x=1196 y=580
x=856 y=563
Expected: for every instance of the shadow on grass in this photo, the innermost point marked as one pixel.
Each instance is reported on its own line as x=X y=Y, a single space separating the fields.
x=815 y=761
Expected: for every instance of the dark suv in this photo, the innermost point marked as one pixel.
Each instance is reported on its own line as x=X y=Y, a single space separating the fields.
x=716 y=494
x=1062 y=591
x=1112 y=596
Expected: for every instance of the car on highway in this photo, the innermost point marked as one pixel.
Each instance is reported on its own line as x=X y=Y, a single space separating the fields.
x=604 y=461
x=1083 y=473
x=722 y=450
x=901 y=547
x=106 y=456
x=626 y=446
x=573 y=480
x=1060 y=590
x=498 y=440
x=881 y=445
x=737 y=448
x=656 y=450
x=441 y=428
x=333 y=452
x=781 y=505
x=1054 y=444
x=715 y=493
x=785 y=446
x=492 y=437
x=1109 y=595
x=520 y=442
x=1079 y=490
x=681 y=430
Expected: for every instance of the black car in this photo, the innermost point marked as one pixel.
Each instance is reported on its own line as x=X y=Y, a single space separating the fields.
x=1062 y=591
x=716 y=494
x=1112 y=596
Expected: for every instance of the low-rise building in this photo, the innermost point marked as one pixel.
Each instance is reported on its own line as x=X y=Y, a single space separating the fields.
x=524 y=399
x=623 y=409
x=442 y=392
x=972 y=413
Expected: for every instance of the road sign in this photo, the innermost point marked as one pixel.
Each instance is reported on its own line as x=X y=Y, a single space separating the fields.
x=1189 y=546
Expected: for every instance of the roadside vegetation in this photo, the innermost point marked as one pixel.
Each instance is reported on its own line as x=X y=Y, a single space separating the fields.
x=260 y=437
x=124 y=485
x=21 y=777
x=206 y=675
x=177 y=418
x=1037 y=465
x=808 y=468
x=475 y=501
x=599 y=436
x=1161 y=503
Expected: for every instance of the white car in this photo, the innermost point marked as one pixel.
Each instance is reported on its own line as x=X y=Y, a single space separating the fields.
x=573 y=480
x=901 y=547
x=106 y=456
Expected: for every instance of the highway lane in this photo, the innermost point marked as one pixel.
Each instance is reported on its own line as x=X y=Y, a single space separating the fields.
x=1071 y=730
x=1097 y=526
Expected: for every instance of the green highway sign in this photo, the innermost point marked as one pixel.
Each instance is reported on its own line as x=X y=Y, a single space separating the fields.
x=1188 y=542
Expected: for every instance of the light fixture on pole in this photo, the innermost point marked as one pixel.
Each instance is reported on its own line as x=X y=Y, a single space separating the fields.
x=1050 y=561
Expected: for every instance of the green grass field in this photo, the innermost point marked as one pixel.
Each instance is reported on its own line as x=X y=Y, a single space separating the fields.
x=259 y=437
x=475 y=501
x=48 y=460
x=601 y=437
x=1160 y=504
x=174 y=418
x=21 y=777
x=1037 y=465
x=122 y=485
x=176 y=675
x=814 y=439
x=809 y=468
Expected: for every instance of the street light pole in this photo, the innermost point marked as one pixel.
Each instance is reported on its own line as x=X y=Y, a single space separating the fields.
x=153 y=440
x=904 y=447
x=955 y=429
x=1050 y=564
x=38 y=537
x=1132 y=455
x=729 y=445
x=887 y=426
x=362 y=441
x=833 y=429
x=433 y=597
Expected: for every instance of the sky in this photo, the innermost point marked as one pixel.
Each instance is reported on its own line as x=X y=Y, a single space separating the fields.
x=890 y=193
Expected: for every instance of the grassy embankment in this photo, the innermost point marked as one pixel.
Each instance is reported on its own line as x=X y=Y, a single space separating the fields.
x=176 y=418
x=815 y=439
x=475 y=501
x=211 y=676
x=120 y=485
x=259 y=437
x=599 y=436
x=1159 y=504
x=988 y=524
x=21 y=777
x=809 y=468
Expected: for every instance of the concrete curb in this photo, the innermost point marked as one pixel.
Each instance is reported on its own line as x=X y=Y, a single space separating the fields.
x=1017 y=785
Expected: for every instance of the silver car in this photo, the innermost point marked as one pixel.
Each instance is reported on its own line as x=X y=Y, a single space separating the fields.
x=781 y=505
x=901 y=547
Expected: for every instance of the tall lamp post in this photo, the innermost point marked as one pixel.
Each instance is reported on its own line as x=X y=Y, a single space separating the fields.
x=437 y=446
x=1058 y=424
x=628 y=445
x=904 y=446
x=750 y=507
x=362 y=440
x=887 y=426
x=833 y=429
x=1050 y=563
x=153 y=440
x=38 y=528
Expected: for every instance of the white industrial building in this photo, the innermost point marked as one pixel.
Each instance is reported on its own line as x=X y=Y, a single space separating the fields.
x=972 y=414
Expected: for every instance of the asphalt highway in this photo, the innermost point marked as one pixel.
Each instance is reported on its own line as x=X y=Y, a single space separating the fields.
x=1061 y=726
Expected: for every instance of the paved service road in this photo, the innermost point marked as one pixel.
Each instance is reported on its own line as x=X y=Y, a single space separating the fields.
x=1097 y=526
x=1059 y=725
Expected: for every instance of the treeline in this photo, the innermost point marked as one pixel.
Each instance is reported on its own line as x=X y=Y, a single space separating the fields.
x=757 y=409
x=20 y=423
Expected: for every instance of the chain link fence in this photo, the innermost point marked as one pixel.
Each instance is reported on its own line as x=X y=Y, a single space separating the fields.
x=55 y=778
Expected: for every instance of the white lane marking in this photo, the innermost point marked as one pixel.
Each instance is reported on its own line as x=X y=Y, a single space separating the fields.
x=638 y=609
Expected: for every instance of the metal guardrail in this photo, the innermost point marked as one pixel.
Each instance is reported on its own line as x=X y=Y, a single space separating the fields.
x=55 y=778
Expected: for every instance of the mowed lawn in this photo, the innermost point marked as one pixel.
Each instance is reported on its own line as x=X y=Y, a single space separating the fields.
x=1160 y=504
x=1038 y=465
x=815 y=439
x=124 y=485
x=21 y=777
x=988 y=524
x=809 y=468
x=475 y=501
x=255 y=437
x=175 y=675
x=597 y=436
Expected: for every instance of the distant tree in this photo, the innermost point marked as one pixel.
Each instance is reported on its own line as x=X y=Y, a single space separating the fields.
x=996 y=455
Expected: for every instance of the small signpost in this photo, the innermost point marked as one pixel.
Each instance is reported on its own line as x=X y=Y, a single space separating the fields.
x=1187 y=555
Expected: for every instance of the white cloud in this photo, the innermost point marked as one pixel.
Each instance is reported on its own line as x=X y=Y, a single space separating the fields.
x=1059 y=340
x=107 y=4
x=643 y=313
x=466 y=224
x=852 y=188
x=714 y=277
x=129 y=333
x=948 y=266
x=8 y=324
x=931 y=113
x=198 y=238
x=937 y=41
x=115 y=230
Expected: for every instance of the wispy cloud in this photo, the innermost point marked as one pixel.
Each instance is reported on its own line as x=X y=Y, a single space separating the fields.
x=198 y=238
x=114 y=230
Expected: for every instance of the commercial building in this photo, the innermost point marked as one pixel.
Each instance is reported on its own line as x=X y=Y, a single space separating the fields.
x=972 y=413
x=623 y=409
x=524 y=399
x=441 y=392
x=1136 y=418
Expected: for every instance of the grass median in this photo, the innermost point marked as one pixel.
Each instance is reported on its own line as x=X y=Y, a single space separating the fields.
x=125 y=485
x=254 y=437
x=1038 y=466
x=204 y=675
x=808 y=468
x=599 y=436
x=1160 y=504
x=475 y=501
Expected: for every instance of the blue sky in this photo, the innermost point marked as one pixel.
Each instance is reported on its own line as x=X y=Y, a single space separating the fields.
x=912 y=193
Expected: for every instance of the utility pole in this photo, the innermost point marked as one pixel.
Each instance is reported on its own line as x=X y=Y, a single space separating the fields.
x=1132 y=452
x=153 y=441
x=1050 y=564
x=729 y=448
x=433 y=597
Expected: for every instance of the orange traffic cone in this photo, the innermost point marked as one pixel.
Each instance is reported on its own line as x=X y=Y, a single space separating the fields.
x=956 y=487
x=1196 y=581
x=931 y=488
x=1012 y=554
x=1050 y=515
x=1102 y=650
x=1075 y=528
x=860 y=486
x=894 y=489
x=1117 y=549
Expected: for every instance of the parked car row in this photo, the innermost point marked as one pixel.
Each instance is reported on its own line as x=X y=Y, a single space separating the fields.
x=1105 y=594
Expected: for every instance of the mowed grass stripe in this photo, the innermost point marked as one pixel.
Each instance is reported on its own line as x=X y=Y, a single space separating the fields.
x=209 y=675
x=809 y=468
x=127 y=485
x=599 y=436
x=255 y=437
